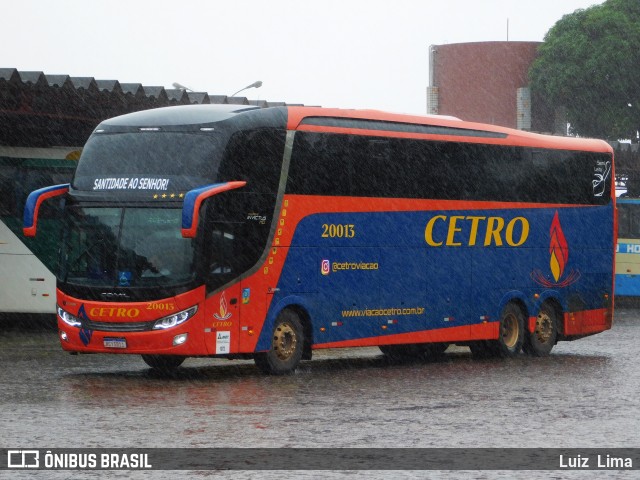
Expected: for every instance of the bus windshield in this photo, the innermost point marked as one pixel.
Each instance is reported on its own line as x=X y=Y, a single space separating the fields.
x=183 y=159
x=125 y=247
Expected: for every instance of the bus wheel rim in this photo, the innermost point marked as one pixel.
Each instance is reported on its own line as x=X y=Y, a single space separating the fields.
x=509 y=330
x=543 y=327
x=285 y=341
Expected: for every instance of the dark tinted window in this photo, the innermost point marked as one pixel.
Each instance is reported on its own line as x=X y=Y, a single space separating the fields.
x=256 y=157
x=125 y=247
x=18 y=178
x=624 y=219
x=238 y=222
x=235 y=234
x=628 y=220
x=170 y=153
x=321 y=164
x=330 y=164
x=365 y=124
x=186 y=160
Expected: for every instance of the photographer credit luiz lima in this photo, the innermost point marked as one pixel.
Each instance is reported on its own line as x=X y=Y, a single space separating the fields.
x=606 y=461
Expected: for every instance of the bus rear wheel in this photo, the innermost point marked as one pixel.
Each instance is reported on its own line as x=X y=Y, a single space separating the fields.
x=511 y=337
x=541 y=341
x=163 y=363
x=287 y=346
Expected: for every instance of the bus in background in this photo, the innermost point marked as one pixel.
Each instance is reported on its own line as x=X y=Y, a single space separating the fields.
x=27 y=264
x=628 y=248
x=239 y=232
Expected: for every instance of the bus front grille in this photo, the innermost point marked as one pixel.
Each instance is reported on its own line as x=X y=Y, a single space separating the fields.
x=117 y=326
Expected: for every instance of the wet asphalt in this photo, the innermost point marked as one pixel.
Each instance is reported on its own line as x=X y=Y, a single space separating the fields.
x=585 y=394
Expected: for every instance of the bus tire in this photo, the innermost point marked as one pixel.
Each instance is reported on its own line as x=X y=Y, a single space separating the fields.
x=428 y=351
x=540 y=342
x=163 y=363
x=511 y=338
x=287 y=346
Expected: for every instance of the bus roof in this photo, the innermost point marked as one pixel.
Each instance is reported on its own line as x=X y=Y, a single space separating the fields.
x=361 y=122
x=449 y=128
x=178 y=115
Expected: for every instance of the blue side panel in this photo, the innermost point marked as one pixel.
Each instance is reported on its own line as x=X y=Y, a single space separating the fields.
x=627 y=285
x=387 y=279
x=632 y=248
x=629 y=201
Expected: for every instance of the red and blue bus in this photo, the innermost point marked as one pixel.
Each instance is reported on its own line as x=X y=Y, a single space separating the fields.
x=240 y=232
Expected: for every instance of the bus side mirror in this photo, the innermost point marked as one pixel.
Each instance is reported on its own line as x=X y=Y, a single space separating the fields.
x=194 y=198
x=32 y=206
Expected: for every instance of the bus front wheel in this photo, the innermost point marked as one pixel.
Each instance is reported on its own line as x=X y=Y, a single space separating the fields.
x=287 y=345
x=163 y=363
x=541 y=341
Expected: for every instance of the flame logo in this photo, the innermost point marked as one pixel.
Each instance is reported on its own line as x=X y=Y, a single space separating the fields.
x=559 y=257
x=223 y=305
x=558 y=249
x=224 y=312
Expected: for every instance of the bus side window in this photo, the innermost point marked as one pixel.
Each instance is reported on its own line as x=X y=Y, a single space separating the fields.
x=624 y=221
x=373 y=171
x=237 y=227
x=319 y=165
x=219 y=237
x=635 y=225
x=254 y=156
x=7 y=196
x=221 y=246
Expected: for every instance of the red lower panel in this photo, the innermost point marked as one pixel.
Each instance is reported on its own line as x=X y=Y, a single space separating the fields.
x=586 y=322
x=483 y=331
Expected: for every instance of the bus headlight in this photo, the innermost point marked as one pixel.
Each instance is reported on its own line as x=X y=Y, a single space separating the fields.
x=69 y=319
x=180 y=339
x=171 y=321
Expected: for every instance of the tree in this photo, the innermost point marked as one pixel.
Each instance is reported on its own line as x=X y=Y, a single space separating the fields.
x=589 y=63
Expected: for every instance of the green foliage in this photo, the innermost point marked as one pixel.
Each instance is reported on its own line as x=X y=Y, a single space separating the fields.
x=589 y=63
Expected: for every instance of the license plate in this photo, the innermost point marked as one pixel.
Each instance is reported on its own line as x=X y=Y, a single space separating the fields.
x=115 y=343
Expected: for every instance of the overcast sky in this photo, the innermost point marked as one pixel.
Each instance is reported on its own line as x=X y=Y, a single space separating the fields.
x=333 y=53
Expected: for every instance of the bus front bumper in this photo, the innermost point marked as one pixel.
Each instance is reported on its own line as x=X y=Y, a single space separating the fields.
x=181 y=340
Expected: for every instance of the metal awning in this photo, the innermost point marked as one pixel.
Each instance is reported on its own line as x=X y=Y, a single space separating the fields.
x=41 y=110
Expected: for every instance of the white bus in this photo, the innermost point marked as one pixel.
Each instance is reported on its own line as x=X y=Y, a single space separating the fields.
x=27 y=282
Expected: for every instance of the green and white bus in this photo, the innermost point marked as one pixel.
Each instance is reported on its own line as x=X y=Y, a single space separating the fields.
x=26 y=264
